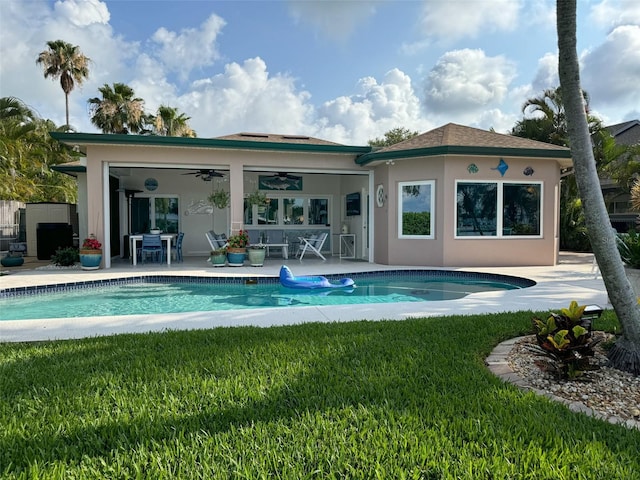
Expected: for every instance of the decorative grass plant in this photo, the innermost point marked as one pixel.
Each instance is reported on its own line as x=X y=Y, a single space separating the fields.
x=363 y=400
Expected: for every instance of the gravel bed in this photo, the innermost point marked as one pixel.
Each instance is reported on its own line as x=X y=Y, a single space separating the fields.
x=607 y=391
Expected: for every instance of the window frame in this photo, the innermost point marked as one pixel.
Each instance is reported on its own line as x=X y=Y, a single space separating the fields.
x=432 y=212
x=499 y=210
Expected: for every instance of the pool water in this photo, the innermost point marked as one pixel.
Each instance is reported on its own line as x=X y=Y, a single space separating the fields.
x=144 y=297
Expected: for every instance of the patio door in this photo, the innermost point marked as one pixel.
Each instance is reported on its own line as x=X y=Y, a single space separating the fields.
x=154 y=212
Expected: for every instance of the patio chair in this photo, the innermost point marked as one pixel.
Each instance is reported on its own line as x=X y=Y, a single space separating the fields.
x=151 y=246
x=312 y=244
x=216 y=240
x=177 y=247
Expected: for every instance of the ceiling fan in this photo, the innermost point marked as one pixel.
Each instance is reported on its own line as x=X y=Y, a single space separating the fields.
x=206 y=175
x=281 y=181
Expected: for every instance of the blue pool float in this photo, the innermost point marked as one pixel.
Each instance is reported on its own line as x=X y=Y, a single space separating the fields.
x=287 y=279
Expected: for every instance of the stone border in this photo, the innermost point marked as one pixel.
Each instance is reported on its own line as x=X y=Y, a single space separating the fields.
x=498 y=365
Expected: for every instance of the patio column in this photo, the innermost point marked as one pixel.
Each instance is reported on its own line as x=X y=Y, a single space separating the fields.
x=236 y=192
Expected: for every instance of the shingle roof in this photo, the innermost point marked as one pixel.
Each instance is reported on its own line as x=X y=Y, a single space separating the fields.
x=277 y=138
x=626 y=133
x=452 y=134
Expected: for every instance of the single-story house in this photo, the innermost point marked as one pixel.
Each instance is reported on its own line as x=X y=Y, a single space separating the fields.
x=453 y=196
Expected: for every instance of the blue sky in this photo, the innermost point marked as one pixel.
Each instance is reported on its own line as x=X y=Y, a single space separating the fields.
x=346 y=71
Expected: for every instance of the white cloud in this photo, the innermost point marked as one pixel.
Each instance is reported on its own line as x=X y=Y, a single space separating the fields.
x=83 y=13
x=191 y=48
x=336 y=20
x=376 y=109
x=452 y=20
x=611 y=71
x=547 y=73
x=613 y=13
x=466 y=81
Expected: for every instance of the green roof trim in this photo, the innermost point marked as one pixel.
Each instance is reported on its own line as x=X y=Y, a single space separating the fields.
x=461 y=150
x=162 y=141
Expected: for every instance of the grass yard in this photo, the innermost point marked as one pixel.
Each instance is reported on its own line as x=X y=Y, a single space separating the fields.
x=371 y=400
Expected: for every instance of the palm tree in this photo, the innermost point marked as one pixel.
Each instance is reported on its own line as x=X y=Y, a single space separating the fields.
x=625 y=353
x=65 y=61
x=118 y=111
x=169 y=123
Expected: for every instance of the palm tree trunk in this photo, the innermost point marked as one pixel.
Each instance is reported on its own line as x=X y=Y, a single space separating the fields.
x=625 y=355
x=66 y=102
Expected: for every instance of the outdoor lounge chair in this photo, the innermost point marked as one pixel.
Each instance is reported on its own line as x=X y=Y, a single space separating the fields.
x=216 y=240
x=312 y=244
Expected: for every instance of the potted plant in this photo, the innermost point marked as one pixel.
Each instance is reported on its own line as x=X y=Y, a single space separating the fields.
x=90 y=253
x=218 y=257
x=256 y=254
x=256 y=198
x=237 y=248
x=12 y=260
x=219 y=198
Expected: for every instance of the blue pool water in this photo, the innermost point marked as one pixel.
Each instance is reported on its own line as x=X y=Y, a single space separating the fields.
x=163 y=294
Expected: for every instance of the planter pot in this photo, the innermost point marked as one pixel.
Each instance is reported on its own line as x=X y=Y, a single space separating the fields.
x=90 y=259
x=256 y=256
x=12 y=261
x=218 y=260
x=633 y=274
x=236 y=256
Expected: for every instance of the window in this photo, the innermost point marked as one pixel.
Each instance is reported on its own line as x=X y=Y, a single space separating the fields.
x=165 y=214
x=415 y=209
x=279 y=211
x=478 y=204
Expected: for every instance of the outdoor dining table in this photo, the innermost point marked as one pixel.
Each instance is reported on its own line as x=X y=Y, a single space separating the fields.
x=166 y=237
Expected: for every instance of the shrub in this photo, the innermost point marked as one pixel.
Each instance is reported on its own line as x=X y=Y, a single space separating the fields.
x=629 y=248
x=566 y=339
x=65 y=257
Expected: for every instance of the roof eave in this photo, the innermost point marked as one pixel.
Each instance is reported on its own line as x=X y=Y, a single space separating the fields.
x=372 y=157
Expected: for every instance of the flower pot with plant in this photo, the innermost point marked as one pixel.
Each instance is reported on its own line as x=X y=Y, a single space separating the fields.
x=218 y=257
x=12 y=260
x=256 y=198
x=219 y=198
x=90 y=253
x=237 y=248
x=256 y=254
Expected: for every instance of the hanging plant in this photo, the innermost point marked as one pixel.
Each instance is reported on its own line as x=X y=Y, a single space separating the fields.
x=256 y=198
x=219 y=198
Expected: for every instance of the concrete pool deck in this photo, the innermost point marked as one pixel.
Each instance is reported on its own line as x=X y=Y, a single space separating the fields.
x=572 y=279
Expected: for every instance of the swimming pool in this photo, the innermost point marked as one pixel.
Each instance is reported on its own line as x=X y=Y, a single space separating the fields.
x=170 y=294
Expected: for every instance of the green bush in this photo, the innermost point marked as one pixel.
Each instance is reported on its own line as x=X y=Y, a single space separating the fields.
x=566 y=339
x=629 y=248
x=65 y=257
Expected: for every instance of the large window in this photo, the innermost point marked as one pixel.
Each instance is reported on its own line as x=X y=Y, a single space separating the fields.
x=292 y=211
x=498 y=209
x=415 y=209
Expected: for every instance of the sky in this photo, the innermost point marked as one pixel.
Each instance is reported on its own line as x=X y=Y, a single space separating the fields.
x=346 y=71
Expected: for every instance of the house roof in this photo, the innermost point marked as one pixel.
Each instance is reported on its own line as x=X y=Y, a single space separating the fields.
x=626 y=133
x=458 y=139
x=276 y=138
x=239 y=141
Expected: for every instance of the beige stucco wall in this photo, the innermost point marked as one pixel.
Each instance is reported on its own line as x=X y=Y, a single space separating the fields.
x=445 y=249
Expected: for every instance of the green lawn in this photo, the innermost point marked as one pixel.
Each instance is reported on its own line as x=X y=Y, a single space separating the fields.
x=388 y=400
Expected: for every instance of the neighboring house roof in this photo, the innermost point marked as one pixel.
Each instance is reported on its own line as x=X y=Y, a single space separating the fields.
x=626 y=133
x=458 y=139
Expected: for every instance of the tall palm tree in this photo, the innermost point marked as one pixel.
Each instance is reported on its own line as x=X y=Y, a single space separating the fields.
x=169 y=123
x=118 y=111
x=66 y=62
x=625 y=353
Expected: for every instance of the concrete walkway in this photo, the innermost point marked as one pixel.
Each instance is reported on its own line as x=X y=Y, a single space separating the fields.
x=572 y=279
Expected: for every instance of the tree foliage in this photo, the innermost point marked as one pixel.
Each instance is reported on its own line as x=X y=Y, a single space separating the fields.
x=27 y=153
x=393 y=136
x=66 y=62
x=170 y=123
x=118 y=111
